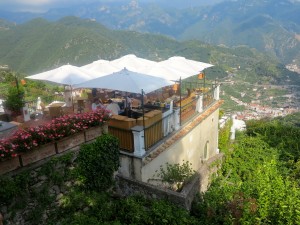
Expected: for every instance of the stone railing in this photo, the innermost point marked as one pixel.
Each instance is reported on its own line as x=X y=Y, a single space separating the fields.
x=51 y=149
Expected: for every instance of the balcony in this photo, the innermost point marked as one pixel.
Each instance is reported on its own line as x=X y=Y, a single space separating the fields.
x=139 y=136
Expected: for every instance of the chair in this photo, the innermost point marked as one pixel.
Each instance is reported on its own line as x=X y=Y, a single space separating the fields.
x=90 y=97
x=55 y=111
x=80 y=106
x=45 y=111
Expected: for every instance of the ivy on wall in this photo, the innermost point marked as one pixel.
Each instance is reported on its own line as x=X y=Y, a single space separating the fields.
x=98 y=161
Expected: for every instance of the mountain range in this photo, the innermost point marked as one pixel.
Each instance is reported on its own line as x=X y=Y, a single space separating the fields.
x=271 y=26
x=40 y=45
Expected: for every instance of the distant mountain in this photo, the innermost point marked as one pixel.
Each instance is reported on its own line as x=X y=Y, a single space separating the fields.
x=40 y=45
x=272 y=26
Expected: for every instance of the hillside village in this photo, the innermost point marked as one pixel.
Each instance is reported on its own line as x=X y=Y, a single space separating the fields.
x=260 y=101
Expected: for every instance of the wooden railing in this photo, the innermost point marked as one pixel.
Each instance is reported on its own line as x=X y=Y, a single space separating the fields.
x=208 y=98
x=188 y=109
x=125 y=137
x=153 y=134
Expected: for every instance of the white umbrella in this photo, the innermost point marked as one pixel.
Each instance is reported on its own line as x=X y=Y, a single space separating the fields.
x=100 y=68
x=128 y=81
x=133 y=63
x=67 y=75
x=165 y=72
x=185 y=67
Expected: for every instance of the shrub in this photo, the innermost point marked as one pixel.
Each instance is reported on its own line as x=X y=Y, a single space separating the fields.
x=14 y=100
x=98 y=161
x=176 y=175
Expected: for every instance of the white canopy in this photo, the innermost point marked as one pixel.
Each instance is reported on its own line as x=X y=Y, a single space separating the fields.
x=101 y=67
x=185 y=67
x=67 y=75
x=133 y=63
x=126 y=80
x=173 y=69
x=166 y=72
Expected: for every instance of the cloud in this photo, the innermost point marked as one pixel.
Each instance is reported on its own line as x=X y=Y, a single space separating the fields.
x=38 y=5
x=32 y=2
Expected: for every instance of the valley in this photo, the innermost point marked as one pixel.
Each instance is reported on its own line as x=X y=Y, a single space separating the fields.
x=257 y=101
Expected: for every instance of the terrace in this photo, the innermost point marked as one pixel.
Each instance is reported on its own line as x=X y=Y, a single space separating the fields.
x=178 y=122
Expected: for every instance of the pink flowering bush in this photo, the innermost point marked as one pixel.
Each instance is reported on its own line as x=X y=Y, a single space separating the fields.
x=27 y=139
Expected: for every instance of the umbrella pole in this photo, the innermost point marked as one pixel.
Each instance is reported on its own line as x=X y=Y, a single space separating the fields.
x=126 y=108
x=142 y=101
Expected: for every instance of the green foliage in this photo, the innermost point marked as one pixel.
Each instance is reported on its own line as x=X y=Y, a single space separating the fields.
x=283 y=136
x=100 y=208
x=138 y=210
x=290 y=120
x=14 y=100
x=254 y=186
x=98 y=161
x=224 y=135
x=278 y=198
x=12 y=188
x=176 y=174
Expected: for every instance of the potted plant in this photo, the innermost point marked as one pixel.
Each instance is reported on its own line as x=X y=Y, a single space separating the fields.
x=13 y=101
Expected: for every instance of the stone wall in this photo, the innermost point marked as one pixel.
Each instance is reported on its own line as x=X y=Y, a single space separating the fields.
x=49 y=178
x=128 y=186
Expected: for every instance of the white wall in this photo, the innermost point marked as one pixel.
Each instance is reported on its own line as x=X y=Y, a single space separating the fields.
x=189 y=148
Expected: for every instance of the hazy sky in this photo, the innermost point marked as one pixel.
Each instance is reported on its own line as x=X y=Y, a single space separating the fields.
x=38 y=5
x=44 y=5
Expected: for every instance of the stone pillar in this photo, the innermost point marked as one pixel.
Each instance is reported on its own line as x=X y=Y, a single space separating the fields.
x=217 y=92
x=138 y=140
x=199 y=104
x=176 y=119
x=168 y=120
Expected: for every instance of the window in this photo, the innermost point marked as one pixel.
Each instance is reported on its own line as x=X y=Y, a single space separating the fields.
x=206 y=152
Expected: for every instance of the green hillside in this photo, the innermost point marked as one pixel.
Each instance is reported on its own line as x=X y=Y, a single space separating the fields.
x=269 y=26
x=39 y=45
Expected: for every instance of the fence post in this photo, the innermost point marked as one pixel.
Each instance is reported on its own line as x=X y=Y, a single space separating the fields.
x=167 y=120
x=199 y=104
x=217 y=92
x=138 y=140
x=177 y=119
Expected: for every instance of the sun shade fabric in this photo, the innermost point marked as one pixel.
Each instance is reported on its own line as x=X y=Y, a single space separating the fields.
x=126 y=80
x=67 y=75
x=173 y=68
